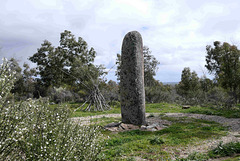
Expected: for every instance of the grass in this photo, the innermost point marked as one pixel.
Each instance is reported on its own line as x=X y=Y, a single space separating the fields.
x=236 y=158
x=155 y=145
x=105 y=120
x=152 y=145
x=173 y=108
x=223 y=150
x=161 y=108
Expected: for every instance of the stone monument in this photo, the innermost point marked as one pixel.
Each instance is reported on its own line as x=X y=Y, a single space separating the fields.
x=132 y=80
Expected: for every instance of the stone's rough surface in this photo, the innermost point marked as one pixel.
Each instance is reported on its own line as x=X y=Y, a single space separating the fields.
x=132 y=80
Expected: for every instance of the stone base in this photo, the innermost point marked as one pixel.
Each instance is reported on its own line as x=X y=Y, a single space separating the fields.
x=119 y=127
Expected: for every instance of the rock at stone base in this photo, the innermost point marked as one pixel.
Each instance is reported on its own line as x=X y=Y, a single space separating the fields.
x=129 y=126
x=143 y=128
x=113 y=129
x=118 y=127
x=113 y=124
x=185 y=107
x=159 y=128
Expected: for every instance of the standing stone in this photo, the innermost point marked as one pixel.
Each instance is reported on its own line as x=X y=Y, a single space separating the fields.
x=132 y=80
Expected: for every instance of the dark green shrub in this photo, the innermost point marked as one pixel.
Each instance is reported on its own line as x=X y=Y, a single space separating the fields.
x=156 y=141
x=223 y=150
x=195 y=157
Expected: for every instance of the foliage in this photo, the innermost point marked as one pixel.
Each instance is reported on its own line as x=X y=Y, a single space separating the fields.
x=189 y=83
x=24 y=86
x=162 y=108
x=206 y=84
x=70 y=63
x=203 y=91
x=222 y=150
x=195 y=156
x=110 y=92
x=156 y=141
x=150 y=67
x=219 y=97
x=223 y=61
x=31 y=130
x=160 y=93
x=60 y=95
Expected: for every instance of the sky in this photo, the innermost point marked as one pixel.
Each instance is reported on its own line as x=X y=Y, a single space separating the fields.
x=176 y=31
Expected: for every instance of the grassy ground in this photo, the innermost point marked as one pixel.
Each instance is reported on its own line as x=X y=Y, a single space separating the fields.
x=155 y=145
x=236 y=158
x=164 y=108
x=159 y=145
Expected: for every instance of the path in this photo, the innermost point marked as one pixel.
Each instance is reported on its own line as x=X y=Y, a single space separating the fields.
x=232 y=123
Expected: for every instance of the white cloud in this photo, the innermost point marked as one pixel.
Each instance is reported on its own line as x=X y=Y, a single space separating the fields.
x=176 y=31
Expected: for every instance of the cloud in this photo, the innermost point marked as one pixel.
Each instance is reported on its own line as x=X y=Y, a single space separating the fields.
x=176 y=32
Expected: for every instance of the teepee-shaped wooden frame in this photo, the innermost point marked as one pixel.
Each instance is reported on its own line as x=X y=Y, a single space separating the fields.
x=96 y=101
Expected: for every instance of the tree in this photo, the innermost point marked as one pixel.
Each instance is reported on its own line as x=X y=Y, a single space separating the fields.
x=111 y=91
x=150 y=67
x=206 y=84
x=189 y=83
x=223 y=61
x=60 y=65
x=24 y=84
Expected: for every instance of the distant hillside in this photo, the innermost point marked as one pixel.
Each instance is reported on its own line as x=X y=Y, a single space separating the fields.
x=170 y=83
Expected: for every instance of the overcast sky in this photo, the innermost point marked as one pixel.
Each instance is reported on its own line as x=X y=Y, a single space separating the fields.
x=176 y=31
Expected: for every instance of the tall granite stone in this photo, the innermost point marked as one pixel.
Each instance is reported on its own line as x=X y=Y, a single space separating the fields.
x=132 y=80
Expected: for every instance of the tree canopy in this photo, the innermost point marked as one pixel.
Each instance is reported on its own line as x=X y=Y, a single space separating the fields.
x=189 y=82
x=69 y=63
x=223 y=61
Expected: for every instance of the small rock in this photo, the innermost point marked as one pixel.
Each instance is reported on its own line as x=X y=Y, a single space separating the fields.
x=159 y=128
x=112 y=125
x=113 y=129
x=143 y=127
x=129 y=126
x=185 y=107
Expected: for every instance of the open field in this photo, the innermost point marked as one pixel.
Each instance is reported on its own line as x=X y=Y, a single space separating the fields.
x=165 y=108
x=189 y=135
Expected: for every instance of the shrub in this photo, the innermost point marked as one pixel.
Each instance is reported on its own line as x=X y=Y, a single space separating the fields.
x=60 y=95
x=219 y=97
x=32 y=130
x=223 y=150
x=156 y=141
x=195 y=156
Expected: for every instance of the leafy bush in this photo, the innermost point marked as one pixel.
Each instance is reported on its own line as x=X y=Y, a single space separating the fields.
x=60 y=95
x=195 y=156
x=156 y=141
x=219 y=97
x=32 y=130
x=223 y=150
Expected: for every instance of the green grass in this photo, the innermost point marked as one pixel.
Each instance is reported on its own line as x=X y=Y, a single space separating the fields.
x=105 y=120
x=236 y=158
x=231 y=149
x=151 y=145
x=173 y=108
x=161 y=108
x=80 y=113
x=154 y=145
x=223 y=150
